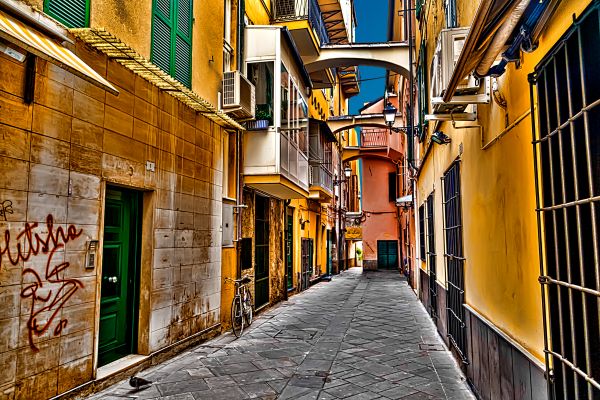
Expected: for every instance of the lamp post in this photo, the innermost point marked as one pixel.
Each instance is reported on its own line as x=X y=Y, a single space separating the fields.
x=389 y=114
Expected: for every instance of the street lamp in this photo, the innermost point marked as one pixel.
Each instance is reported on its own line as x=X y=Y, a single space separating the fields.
x=389 y=114
x=348 y=172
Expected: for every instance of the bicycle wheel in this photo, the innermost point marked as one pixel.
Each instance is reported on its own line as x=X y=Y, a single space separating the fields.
x=248 y=307
x=237 y=316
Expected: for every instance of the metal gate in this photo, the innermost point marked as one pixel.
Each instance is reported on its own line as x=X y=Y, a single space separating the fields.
x=431 y=258
x=566 y=85
x=454 y=259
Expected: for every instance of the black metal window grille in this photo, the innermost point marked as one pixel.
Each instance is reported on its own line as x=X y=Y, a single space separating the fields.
x=454 y=259
x=431 y=258
x=567 y=170
x=422 y=232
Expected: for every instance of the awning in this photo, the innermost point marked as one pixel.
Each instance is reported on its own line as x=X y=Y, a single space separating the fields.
x=14 y=31
x=489 y=19
x=115 y=49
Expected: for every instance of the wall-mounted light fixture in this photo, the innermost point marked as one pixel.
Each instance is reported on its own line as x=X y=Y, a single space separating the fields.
x=440 y=137
x=303 y=222
x=389 y=114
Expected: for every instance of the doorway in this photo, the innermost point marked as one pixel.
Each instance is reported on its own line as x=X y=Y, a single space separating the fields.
x=119 y=295
x=289 y=250
x=387 y=254
x=306 y=254
x=261 y=251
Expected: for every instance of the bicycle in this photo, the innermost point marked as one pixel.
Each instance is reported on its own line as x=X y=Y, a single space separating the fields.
x=241 y=306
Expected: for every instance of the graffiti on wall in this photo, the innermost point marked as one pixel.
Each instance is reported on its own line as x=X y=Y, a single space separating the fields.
x=5 y=209
x=48 y=291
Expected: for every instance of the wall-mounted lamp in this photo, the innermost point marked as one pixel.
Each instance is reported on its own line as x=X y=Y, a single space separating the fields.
x=440 y=137
x=303 y=222
x=389 y=114
x=347 y=172
x=92 y=249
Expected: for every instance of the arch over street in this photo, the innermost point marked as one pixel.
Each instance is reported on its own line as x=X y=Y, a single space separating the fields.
x=392 y=56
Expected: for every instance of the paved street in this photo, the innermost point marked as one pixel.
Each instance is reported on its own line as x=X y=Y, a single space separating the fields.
x=360 y=336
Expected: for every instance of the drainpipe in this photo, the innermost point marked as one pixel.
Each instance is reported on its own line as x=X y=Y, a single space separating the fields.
x=240 y=34
x=239 y=201
x=410 y=131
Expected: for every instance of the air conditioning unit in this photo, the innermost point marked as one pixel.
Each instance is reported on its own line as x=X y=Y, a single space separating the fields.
x=239 y=99
x=470 y=90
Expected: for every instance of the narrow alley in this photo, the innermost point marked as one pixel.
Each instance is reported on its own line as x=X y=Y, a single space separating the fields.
x=360 y=336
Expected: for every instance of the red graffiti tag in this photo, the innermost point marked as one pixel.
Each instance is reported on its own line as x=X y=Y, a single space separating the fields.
x=46 y=303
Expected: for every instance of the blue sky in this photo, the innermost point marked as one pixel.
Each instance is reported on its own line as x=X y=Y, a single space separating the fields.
x=372 y=27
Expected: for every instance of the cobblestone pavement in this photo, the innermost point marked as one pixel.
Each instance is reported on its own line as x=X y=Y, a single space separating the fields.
x=360 y=336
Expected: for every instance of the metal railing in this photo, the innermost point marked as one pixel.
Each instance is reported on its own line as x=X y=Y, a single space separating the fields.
x=294 y=10
x=321 y=176
x=293 y=161
x=374 y=137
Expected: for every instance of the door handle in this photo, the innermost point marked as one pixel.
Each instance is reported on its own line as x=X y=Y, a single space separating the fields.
x=112 y=279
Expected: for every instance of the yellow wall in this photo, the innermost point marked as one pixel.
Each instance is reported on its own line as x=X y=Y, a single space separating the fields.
x=258 y=12
x=498 y=197
x=228 y=269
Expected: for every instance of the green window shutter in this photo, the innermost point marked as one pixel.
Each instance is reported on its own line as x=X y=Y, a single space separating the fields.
x=183 y=43
x=422 y=90
x=172 y=38
x=71 y=13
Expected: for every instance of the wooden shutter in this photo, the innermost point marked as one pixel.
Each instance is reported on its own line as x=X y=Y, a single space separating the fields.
x=172 y=38
x=161 y=34
x=183 y=43
x=71 y=13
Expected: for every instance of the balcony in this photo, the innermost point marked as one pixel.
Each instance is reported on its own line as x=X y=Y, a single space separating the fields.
x=321 y=182
x=276 y=163
x=320 y=160
x=374 y=138
x=304 y=20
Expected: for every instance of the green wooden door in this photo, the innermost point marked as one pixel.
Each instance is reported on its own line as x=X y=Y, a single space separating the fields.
x=387 y=254
x=261 y=251
x=118 y=302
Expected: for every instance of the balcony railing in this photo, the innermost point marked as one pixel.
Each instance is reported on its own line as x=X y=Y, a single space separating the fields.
x=294 y=163
x=374 y=137
x=321 y=176
x=294 y=10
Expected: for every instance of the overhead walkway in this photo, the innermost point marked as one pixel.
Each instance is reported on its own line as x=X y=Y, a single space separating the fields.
x=393 y=56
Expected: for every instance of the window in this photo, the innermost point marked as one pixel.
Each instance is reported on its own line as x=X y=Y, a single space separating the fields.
x=172 y=38
x=71 y=13
x=431 y=257
x=454 y=259
x=392 y=195
x=450 y=11
x=422 y=232
x=567 y=156
x=261 y=75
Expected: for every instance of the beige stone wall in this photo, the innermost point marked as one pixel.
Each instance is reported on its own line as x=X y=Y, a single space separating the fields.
x=56 y=156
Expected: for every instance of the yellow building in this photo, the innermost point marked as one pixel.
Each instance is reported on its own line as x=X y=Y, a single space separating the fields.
x=482 y=246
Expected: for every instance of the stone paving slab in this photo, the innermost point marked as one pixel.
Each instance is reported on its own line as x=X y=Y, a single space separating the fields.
x=361 y=336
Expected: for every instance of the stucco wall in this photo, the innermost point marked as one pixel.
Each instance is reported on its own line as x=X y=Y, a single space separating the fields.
x=498 y=195
x=56 y=156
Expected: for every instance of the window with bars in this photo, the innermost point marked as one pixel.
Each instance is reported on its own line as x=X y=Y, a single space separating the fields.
x=455 y=295
x=431 y=257
x=422 y=232
x=567 y=157
x=71 y=13
x=172 y=38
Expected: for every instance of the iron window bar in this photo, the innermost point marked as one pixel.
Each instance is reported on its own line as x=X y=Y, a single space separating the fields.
x=453 y=241
x=567 y=182
x=431 y=258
